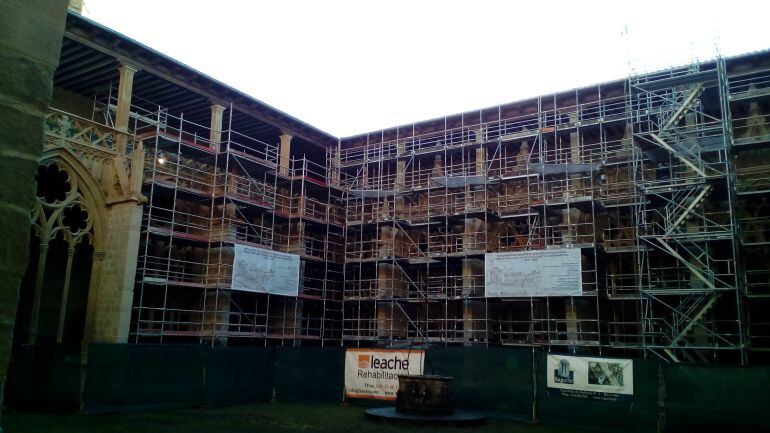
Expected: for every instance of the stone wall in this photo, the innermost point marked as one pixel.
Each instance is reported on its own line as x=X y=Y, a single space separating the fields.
x=115 y=271
x=71 y=102
x=30 y=39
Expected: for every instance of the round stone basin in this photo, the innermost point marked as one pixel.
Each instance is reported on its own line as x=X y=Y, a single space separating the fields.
x=425 y=395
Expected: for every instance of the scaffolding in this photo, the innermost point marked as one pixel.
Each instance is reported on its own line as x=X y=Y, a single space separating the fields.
x=207 y=192
x=660 y=181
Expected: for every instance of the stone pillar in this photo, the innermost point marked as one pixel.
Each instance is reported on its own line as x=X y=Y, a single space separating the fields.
x=114 y=292
x=628 y=136
x=400 y=174
x=296 y=238
x=391 y=321
x=334 y=170
x=480 y=135
x=574 y=139
x=215 y=133
x=473 y=277
x=364 y=179
x=284 y=151
x=522 y=157
x=284 y=317
x=30 y=41
x=125 y=87
x=390 y=282
x=481 y=161
x=386 y=244
x=472 y=238
x=36 y=297
x=576 y=187
x=216 y=314
x=756 y=125
x=438 y=166
x=473 y=316
x=399 y=208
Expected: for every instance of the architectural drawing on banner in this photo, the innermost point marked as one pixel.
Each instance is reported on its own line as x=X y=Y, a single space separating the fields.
x=533 y=273
x=265 y=271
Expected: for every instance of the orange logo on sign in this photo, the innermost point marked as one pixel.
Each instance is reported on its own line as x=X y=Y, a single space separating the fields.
x=363 y=361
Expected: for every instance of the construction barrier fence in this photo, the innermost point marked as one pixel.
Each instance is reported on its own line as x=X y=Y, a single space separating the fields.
x=507 y=383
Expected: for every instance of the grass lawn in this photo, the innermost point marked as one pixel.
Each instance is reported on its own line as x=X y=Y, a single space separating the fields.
x=256 y=418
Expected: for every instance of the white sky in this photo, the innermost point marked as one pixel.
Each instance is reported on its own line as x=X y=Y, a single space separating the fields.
x=349 y=67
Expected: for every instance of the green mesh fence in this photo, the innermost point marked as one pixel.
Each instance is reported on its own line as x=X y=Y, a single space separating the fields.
x=310 y=374
x=240 y=375
x=717 y=398
x=490 y=379
x=498 y=381
x=131 y=377
x=640 y=413
x=44 y=378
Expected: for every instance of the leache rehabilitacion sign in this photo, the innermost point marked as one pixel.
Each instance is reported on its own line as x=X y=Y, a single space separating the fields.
x=533 y=273
x=608 y=379
x=373 y=373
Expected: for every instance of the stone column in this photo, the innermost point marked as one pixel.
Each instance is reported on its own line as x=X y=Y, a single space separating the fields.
x=296 y=238
x=215 y=133
x=480 y=134
x=364 y=179
x=522 y=158
x=473 y=277
x=334 y=169
x=115 y=292
x=472 y=236
x=216 y=314
x=125 y=87
x=30 y=41
x=284 y=151
x=391 y=321
x=65 y=294
x=571 y=316
x=36 y=297
x=386 y=243
x=390 y=282
x=481 y=161
x=575 y=158
x=628 y=137
x=399 y=207
x=400 y=174
x=473 y=325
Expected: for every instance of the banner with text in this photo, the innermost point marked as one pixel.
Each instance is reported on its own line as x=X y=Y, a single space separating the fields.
x=608 y=379
x=373 y=373
x=533 y=273
x=265 y=271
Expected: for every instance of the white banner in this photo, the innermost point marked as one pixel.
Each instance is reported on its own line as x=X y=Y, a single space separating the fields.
x=533 y=273
x=593 y=378
x=373 y=373
x=265 y=271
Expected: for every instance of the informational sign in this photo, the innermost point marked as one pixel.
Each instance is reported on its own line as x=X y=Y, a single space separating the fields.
x=608 y=379
x=265 y=271
x=373 y=373
x=533 y=273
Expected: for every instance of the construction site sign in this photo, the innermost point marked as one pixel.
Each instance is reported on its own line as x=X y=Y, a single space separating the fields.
x=373 y=373
x=533 y=273
x=264 y=271
x=608 y=379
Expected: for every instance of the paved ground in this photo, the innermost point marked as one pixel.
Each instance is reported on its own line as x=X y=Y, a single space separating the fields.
x=261 y=418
